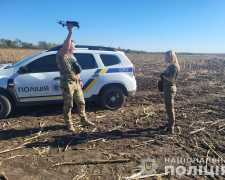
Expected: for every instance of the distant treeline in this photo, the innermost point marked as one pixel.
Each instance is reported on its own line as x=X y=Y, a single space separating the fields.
x=145 y=52
x=6 y=43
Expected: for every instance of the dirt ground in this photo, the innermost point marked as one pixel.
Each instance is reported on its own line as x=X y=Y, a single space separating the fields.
x=114 y=148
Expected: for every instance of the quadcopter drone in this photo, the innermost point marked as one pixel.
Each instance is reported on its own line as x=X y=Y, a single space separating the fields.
x=75 y=23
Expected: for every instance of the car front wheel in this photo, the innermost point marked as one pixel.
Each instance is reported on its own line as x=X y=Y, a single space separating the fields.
x=5 y=106
x=112 y=98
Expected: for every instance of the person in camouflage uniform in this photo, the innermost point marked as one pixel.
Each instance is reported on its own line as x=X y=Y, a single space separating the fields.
x=71 y=83
x=170 y=76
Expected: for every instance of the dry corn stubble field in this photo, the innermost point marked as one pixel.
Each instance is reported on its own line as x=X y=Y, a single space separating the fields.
x=113 y=149
x=15 y=55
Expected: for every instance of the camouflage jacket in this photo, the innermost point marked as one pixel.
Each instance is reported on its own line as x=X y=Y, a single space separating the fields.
x=66 y=70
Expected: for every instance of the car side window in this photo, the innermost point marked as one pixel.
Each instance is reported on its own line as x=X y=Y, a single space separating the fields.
x=43 y=64
x=87 y=61
x=109 y=60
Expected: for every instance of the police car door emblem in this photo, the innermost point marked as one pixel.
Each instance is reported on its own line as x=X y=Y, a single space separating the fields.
x=55 y=87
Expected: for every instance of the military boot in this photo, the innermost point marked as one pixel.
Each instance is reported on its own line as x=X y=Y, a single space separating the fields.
x=85 y=122
x=71 y=128
x=168 y=131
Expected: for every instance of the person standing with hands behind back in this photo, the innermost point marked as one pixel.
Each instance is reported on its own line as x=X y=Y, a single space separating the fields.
x=169 y=77
x=71 y=83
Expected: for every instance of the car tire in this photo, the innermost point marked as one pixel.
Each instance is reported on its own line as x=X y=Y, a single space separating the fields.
x=112 y=98
x=5 y=106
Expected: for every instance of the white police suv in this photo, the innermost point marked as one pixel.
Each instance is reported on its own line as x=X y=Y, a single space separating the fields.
x=107 y=75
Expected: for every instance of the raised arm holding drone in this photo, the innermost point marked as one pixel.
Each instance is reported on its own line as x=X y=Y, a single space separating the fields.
x=67 y=43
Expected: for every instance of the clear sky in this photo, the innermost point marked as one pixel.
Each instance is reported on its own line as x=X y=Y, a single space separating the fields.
x=196 y=26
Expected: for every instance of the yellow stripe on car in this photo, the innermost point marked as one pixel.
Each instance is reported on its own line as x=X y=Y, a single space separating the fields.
x=21 y=99
x=102 y=71
x=90 y=85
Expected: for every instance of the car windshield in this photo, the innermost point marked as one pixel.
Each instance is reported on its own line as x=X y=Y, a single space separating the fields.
x=19 y=63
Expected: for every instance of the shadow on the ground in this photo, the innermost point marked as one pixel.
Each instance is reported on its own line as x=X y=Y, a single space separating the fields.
x=48 y=110
x=60 y=141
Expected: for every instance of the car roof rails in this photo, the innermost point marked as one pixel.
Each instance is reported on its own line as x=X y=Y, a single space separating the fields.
x=56 y=48
x=100 y=48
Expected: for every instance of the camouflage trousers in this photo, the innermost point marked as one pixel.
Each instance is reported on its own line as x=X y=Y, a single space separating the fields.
x=72 y=91
x=169 y=94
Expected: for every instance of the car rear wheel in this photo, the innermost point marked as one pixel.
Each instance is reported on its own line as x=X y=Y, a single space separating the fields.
x=5 y=106
x=112 y=98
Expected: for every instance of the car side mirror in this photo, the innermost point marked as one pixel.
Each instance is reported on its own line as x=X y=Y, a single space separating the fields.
x=23 y=70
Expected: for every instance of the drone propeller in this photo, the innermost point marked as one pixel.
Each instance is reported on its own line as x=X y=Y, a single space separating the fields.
x=61 y=22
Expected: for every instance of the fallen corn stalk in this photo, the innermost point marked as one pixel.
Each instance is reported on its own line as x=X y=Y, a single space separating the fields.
x=93 y=162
